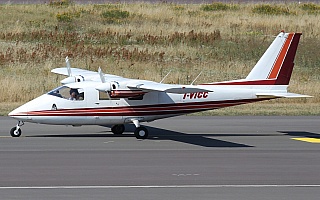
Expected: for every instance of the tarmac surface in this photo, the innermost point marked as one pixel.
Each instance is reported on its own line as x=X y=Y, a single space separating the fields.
x=189 y=157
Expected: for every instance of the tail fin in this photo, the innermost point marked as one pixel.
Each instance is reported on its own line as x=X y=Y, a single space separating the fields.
x=277 y=62
x=274 y=68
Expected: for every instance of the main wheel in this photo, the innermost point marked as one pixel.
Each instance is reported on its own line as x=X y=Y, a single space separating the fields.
x=141 y=133
x=14 y=132
x=118 y=129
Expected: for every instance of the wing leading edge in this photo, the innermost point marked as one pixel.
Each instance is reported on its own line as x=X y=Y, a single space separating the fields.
x=75 y=72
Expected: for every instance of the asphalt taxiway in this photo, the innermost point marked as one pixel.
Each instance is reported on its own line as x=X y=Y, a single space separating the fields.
x=243 y=157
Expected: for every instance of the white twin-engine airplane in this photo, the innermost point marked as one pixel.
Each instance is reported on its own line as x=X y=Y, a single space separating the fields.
x=94 y=98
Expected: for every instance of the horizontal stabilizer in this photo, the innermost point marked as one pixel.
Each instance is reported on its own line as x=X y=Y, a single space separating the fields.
x=169 y=88
x=281 y=95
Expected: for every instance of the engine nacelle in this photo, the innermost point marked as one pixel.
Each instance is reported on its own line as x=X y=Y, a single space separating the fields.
x=104 y=87
x=72 y=79
x=115 y=91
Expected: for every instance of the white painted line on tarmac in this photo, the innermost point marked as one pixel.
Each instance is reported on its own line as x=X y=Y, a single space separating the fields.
x=155 y=186
x=108 y=142
x=185 y=174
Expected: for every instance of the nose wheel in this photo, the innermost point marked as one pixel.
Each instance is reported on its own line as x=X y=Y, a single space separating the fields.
x=16 y=131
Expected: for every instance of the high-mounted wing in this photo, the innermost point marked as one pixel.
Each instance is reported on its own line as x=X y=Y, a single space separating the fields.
x=79 y=75
x=75 y=72
x=68 y=71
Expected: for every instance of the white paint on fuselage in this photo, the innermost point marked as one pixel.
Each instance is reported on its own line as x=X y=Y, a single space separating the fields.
x=91 y=101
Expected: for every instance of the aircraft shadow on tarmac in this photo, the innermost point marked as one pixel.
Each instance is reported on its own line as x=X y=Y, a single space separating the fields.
x=189 y=138
x=163 y=134
x=301 y=134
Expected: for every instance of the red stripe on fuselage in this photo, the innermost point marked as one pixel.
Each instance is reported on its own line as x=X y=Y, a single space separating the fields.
x=146 y=110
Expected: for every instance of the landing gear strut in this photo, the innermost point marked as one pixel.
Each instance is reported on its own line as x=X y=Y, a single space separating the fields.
x=16 y=131
x=140 y=132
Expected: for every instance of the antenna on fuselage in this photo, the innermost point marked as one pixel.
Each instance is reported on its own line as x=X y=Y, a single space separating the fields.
x=165 y=76
x=196 y=78
x=68 y=66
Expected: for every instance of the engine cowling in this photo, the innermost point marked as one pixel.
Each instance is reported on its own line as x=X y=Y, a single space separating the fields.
x=114 y=90
x=126 y=93
x=104 y=87
x=72 y=79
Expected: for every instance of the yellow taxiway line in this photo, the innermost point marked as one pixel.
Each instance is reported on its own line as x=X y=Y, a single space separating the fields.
x=311 y=140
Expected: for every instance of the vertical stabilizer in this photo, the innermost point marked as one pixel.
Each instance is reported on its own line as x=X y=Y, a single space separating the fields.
x=277 y=62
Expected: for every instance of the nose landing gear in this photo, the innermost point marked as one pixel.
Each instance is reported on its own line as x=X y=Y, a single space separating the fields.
x=16 y=131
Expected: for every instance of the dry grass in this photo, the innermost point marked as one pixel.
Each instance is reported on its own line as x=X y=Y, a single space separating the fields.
x=153 y=40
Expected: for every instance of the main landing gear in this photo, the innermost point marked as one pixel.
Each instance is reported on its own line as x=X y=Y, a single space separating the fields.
x=16 y=131
x=118 y=129
x=140 y=131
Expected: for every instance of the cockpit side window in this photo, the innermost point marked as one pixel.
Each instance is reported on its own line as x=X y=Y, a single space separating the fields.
x=74 y=94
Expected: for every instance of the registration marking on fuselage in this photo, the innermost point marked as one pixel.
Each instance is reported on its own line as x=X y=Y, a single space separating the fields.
x=311 y=140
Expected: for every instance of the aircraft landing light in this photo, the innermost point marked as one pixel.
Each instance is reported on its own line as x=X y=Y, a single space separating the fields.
x=311 y=140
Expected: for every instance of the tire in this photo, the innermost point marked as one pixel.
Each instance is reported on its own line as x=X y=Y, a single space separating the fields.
x=141 y=133
x=13 y=132
x=118 y=129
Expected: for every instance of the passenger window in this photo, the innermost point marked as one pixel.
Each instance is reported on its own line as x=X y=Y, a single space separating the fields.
x=104 y=96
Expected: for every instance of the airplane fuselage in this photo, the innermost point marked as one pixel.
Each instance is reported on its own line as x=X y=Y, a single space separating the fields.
x=94 y=108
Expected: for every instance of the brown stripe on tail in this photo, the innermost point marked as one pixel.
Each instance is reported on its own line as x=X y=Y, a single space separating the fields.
x=286 y=68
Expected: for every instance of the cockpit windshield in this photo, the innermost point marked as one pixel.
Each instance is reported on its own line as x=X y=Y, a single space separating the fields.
x=75 y=94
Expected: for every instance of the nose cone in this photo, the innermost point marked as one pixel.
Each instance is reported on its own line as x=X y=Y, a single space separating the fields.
x=28 y=112
x=20 y=113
